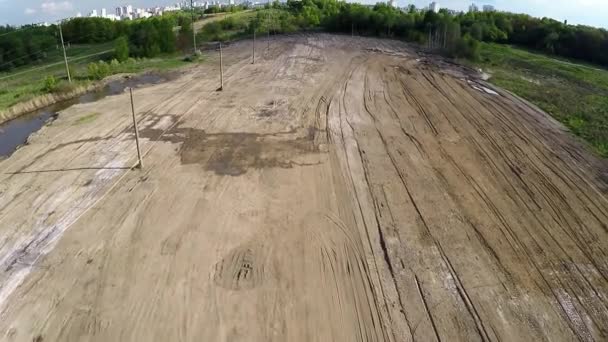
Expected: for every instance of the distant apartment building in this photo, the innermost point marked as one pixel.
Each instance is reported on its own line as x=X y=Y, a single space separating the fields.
x=434 y=7
x=128 y=12
x=473 y=8
x=488 y=8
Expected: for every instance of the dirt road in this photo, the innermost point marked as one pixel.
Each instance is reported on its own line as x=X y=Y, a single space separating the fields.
x=340 y=189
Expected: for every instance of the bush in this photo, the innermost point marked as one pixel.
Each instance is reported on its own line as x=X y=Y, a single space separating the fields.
x=98 y=71
x=50 y=84
x=65 y=87
x=114 y=64
x=466 y=47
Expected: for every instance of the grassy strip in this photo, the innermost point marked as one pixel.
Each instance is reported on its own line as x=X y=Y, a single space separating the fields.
x=242 y=24
x=90 y=117
x=29 y=81
x=575 y=94
x=29 y=85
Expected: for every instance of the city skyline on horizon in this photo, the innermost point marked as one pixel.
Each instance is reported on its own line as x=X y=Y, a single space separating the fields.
x=593 y=12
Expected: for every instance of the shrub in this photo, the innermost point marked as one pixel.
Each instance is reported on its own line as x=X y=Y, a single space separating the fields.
x=114 y=64
x=466 y=47
x=93 y=71
x=98 y=71
x=104 y=69
x=50 y=84
x=65 y=87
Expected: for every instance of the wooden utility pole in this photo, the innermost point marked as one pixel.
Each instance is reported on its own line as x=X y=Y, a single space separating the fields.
x=193 y=29
x=221 y=69
x=269 y=25
x=65 y=56
x=141 y=164
x=352 y=29
x=253 y=52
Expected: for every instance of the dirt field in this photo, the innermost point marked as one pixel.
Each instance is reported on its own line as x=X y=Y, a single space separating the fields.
x=339 y=189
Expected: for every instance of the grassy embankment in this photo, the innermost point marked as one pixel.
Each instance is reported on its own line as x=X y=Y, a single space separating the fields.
x=26 y=83
x=575 y=94
x=240 y=25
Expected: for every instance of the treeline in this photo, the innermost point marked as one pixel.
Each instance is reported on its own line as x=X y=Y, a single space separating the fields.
x=455 y=32
x=229 y=9
x=26 y=45
x=145 y=37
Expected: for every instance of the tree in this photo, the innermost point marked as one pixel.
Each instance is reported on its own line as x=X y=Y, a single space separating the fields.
x=121 y=49
x=466 y=47
x=184 y=36
x=477 y=31
x=166 y=35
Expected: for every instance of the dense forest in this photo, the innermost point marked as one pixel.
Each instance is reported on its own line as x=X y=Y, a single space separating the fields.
x=23 y=46
x=447 y=30
x=456 y=34
x=146 y=37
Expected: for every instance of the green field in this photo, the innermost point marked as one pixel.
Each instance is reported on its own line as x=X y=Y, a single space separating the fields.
x=25 y=83
x=575 y=94
x=240 y=25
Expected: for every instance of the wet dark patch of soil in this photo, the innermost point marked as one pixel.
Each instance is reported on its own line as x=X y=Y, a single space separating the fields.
x=232 y=154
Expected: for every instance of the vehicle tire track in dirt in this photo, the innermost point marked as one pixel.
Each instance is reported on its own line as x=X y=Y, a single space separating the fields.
x=340 y=189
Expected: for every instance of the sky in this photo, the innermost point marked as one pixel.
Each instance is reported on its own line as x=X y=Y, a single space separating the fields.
x=587 y=12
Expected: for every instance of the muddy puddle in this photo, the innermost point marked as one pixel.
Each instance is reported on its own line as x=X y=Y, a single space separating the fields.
x=14 y=133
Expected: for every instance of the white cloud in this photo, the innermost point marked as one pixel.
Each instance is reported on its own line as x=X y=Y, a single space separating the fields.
x=55 y=7
x=29 y=11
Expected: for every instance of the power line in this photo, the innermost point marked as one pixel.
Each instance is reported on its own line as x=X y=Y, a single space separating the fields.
x=49 y=49
x=28 y=55
x=57 y=63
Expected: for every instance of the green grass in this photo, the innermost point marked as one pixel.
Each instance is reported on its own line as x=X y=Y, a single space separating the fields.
x=209 y=18
x=23 y=84
x=575 y=94
x=90 y=117
x=237 y=25
x=162 y=63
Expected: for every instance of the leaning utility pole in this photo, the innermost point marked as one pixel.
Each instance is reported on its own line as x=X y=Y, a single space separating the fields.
x=221 y=69
x=253 y=52
x=65 y=56
x=141 y=164
x=193 y=29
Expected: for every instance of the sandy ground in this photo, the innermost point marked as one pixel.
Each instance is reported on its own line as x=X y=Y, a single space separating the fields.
x=340 y=189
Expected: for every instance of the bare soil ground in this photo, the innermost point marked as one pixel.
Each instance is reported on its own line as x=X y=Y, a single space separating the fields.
x=340 y=189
